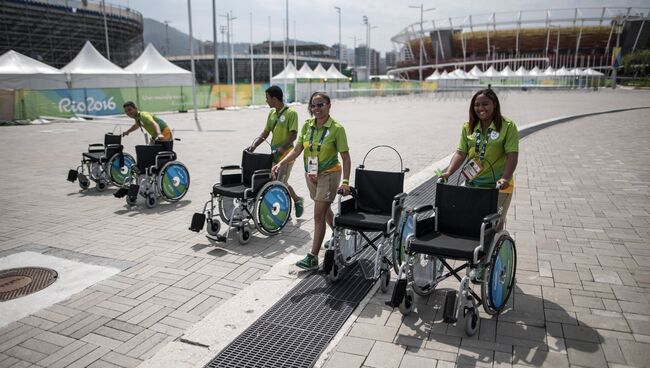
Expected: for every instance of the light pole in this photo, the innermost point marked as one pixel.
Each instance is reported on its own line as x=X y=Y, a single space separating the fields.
x=214 y=42
x=189 y=15
x=367 y=23
x=286 y=46
x=167 y=37
x=619 y=30
x=338 y=9
x=229 y=37
x=108 y=49
x=422 y=10
x=252 y=66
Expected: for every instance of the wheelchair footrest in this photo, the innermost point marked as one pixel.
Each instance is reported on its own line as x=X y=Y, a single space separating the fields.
x=72 y=175
x=121 y=192
x=448 y=315
x=217 y=238
x=198 y=220
x=328 y=262
x=134 y=189
x=398 y=293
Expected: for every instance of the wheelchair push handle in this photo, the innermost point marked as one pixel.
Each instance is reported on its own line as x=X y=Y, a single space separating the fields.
x=255 y=140
x=401 y=162
x=353 y=192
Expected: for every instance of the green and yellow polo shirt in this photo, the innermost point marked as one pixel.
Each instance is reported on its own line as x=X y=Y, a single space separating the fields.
x=146 y=119
x=499 y=144
x=280 y=124
x=335 y=141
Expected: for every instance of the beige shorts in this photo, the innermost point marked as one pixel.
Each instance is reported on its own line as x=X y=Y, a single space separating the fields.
x=325 y=187
x=285 y=172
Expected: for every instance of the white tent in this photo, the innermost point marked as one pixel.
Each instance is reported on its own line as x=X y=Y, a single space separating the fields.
x=535 y=72
x=320 y=72
x=549 y=72
x=593 y=73
x=305 y=72
x=288 y=75
x=336 y=81
x=521 y=72
x=507 y=72
x=89 y=69
x=333 y=73
x=18 y=71
x=153 y=70
x=491 y=73
x=476 y=72
x=433 y=77
x=562 y=72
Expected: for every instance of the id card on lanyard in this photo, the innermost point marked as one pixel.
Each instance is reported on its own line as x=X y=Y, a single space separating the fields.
x=312 y=162
x=474 y=166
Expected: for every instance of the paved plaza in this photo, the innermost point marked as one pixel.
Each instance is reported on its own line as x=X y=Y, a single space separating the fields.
x=579 y=216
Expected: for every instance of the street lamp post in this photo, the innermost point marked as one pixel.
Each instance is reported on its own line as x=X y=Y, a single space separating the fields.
x=189 y=15
x=229 y=37
x=214 y=42
x=338 y=9
x=422 y=10
x=167 y=37
x=367 y=23
x=619 y=30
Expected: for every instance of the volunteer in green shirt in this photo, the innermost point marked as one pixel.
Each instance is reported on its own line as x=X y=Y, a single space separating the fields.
x=490 y=141
x=152 y=124
x=283 y=123
x=322 y=139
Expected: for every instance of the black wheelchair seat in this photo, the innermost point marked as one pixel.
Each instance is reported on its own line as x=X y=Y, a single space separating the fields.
x=446 y=245
x=231 y=191
x=362 y=221
x=94 y=156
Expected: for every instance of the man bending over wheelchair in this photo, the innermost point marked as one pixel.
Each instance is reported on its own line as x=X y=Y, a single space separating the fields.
x=156 y=127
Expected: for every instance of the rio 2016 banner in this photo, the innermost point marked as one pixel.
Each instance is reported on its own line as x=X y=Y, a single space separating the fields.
x=69 y=102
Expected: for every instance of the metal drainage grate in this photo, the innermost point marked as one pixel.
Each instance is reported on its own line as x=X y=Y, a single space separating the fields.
x=18 y=282
x=295 y=331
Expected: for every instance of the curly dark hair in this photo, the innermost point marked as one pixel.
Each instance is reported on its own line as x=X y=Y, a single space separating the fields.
x=497 y=118
x=317 y=94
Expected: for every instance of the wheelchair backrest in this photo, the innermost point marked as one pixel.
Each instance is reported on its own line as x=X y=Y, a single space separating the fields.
x=376 y=189
x=251 y=162
x=110 y=138
x=461 y=209
x=146 y=155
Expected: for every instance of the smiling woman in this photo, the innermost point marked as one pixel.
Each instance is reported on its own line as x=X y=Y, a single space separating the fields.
x=490 y=141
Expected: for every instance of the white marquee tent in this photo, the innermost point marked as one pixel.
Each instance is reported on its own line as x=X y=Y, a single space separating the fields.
x=288 y=75
x=18 y=71
x=153 y=70
x=89 y=69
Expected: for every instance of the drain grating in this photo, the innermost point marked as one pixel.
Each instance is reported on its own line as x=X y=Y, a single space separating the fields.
x=18 y=282
x=296 y=330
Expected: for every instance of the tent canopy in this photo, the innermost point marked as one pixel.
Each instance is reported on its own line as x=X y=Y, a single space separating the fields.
x=89 y=69
x=305 y=72
x=320 y=72
x=333 y=73
x=154 y=70
x=18 y=71
x=288 y=74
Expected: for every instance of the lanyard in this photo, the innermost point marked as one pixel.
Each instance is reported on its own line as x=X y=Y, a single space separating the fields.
x=478 y=143
x=311 y=140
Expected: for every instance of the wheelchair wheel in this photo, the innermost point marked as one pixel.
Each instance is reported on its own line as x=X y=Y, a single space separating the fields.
x=117 y=173
x=244 y=235
x=174 y=181
x=101 y=185
x=500 y=275
x=384 y=280
x=272 y=208
x=408 y=302
x=151 y=200
x=335 y=273
x=212 y=226
x=472 y=321
x=84 y=184
x=426 y=270
x=404 y=229
x=131 y=200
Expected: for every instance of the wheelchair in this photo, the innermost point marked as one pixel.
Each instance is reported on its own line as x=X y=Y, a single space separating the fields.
x=463 y=228
x=104 y=164
x=156 y=174
x=370 y=215
x=244 y=193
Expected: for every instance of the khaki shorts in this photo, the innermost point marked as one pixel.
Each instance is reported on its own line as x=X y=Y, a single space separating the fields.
x=325 y=187
x=285 y=172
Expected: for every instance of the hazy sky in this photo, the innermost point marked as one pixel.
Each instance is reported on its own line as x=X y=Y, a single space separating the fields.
x=317 y=20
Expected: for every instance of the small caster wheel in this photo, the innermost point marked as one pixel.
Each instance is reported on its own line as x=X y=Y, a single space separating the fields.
x=101 y=186
x=131 y=200
x=213 y=226
x=384 y=280
x=335 y=273
x=151 y=201
x=472 y=321
x=84 y=184
x=244 y=235
x=408 y=303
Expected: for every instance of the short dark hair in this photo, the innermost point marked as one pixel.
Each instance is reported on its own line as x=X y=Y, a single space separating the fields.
x=130 y=103
x=275 y=91
x=317 y=94
x=497 y=118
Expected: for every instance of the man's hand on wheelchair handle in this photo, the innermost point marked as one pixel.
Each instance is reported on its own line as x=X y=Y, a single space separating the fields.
x=344 y=190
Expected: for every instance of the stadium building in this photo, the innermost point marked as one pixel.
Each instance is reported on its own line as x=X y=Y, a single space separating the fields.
x=570 y=38
x=53 y=31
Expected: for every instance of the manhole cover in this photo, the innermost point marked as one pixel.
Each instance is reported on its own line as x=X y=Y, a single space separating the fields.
x=17 y=282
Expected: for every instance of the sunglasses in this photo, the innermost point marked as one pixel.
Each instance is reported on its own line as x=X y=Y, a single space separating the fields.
x=319 y=105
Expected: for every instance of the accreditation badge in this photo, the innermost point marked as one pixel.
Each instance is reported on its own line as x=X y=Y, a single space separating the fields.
x=282 y=118
x=312 y=167
x=471 y=169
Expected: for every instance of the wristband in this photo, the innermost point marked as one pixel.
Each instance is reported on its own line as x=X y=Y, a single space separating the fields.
x=345 y=182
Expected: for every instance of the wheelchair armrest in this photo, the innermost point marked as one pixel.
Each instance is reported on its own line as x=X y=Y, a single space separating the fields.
x=399 y=196
x=262 y=172
x=230 y=167
x=423 y=208
x=96 y=145
x=493 y=218
x=488 y=225
x=109 y=146
x=165 y=155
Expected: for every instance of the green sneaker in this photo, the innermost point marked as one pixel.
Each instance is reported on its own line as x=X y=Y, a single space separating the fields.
x=310 y=262
x=300 y=206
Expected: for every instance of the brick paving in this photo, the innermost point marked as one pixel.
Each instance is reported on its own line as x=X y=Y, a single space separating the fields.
x=172 y=278
x=581 y=220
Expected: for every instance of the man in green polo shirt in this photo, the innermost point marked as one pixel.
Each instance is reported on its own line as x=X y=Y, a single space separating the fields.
x=283 y=123
x=155 y=126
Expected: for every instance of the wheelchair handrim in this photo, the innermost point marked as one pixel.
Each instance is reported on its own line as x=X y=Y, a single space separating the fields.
x=399 y=245
x=501 y=274
x=424 y=274
x=175 y=181
x=118 y=174
x=273 y=208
